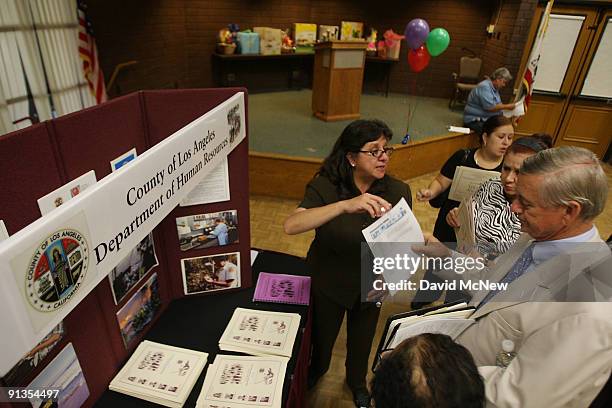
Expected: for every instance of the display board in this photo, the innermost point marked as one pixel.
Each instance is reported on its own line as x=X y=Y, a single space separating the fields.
x=109 y=322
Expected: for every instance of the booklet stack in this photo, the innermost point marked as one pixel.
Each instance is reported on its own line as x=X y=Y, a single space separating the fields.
x=260 y=333
x=159 y=373
x=239 y=381
x=279 y=288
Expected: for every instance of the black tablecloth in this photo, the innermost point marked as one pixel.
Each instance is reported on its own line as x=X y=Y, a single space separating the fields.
x=197 y=323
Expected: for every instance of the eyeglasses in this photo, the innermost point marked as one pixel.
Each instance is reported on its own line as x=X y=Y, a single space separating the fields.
x=379 y=152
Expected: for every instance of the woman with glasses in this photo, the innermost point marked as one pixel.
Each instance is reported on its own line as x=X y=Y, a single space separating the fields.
x=348 y=193
x=495 y=139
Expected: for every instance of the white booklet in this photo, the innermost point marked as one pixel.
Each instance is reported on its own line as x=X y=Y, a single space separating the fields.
x=467 y=180
x=160 y=373
x=260 y=332
x=392 y=234
x=243 y=381
x=440 y=324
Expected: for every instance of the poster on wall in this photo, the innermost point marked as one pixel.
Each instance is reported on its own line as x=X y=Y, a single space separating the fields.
x=125 y=158
x=210 y=273
x=30 y=361
x=64 y=374
x=212 y=189
x=207 y=230
x=133 y=268
x=139 y=310
x=59 y=196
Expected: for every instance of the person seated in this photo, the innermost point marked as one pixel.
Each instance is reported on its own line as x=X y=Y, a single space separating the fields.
x=496 y=227
x=563 y=346
x=484 y=101
x=426 y=371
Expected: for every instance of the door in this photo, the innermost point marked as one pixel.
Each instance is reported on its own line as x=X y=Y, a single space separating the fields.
x=565 y=47
x=588 y=120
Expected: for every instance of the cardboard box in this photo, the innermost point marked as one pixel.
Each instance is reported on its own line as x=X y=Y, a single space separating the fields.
x=269 y=40
x=351 y=30
x=248 y=42
x=328 y=33
x=305 y=36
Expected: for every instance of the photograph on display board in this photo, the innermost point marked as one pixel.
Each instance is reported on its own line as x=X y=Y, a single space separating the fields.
x=64 y=374
x=123 y=159
x=131 y=269
x=139 y=310
x=207 y=230
x=210 y=273
x=24 y=368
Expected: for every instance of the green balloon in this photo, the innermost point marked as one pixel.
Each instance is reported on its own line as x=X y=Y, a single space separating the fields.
x=437 y=41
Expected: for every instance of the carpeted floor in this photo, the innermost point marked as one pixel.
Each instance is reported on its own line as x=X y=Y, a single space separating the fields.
x=282 y=122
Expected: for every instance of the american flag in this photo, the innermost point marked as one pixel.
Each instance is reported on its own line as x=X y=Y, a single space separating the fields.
x=534 y=57
x=89 y=54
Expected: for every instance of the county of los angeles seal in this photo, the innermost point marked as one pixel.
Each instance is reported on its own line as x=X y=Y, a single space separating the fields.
x=56 y=270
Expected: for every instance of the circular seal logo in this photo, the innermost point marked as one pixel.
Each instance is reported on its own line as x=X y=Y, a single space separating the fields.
x=56 y=270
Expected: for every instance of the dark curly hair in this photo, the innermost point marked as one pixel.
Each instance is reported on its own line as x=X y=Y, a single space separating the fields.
x=336 y=166
x=428 y=371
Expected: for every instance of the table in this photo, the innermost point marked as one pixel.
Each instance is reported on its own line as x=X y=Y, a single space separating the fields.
x=225 y=67
x=197 y=323
x=385 y=66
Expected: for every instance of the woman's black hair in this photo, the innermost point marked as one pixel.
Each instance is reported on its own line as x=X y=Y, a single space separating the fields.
x=336 y=166
x=493 y=123
x=428 y=371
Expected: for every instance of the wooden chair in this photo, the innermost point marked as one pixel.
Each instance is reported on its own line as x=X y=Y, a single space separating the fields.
x=466 y=80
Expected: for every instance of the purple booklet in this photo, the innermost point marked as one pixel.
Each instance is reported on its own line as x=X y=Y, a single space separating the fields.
x=279 y=288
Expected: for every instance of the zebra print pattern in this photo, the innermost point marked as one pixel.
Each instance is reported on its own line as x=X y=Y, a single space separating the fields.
x=496 y=227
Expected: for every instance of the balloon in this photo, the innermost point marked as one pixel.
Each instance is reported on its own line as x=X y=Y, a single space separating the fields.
x=416 y=32
x=418 y=59
x=437 y=41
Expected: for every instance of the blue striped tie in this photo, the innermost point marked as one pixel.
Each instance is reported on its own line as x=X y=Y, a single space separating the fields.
x=519 y=267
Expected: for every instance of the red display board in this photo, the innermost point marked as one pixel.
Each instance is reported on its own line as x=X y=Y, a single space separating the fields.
x=41 y=158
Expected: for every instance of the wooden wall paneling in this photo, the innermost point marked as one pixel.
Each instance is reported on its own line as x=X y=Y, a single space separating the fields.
x=587 y=125
x=269 y=171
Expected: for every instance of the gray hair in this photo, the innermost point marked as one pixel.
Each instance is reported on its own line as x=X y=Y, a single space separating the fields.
x=573 y=174
x=502 y=73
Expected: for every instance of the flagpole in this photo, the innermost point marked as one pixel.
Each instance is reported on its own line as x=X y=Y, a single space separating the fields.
x=537 y=43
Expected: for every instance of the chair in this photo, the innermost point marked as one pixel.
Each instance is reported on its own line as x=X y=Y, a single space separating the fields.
x=466 y=80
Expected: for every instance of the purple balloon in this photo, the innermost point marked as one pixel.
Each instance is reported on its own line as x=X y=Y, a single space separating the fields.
x=416 y=33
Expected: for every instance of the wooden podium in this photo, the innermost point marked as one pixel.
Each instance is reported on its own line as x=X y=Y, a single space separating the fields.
x=337 y=79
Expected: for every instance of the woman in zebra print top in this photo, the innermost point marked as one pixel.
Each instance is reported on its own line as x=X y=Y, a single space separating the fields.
x=496 y=227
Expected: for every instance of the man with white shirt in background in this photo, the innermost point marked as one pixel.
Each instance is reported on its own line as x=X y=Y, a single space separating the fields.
x=563 y=342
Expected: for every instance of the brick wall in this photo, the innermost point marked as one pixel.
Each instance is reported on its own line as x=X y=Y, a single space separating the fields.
x=505 y=46
x=173 y=39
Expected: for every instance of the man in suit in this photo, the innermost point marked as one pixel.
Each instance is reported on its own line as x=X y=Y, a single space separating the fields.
x=562 y=338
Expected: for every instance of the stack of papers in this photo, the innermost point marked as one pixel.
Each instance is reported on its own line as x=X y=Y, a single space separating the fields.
x=451 y=320
x=159 y=373
x=279 y=288
x=260 y=333
x=239 y=381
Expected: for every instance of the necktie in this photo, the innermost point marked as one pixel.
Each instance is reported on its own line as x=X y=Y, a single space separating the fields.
x=519 y=267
